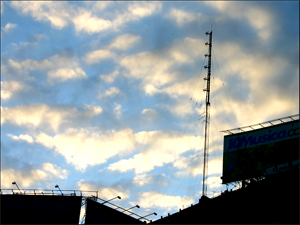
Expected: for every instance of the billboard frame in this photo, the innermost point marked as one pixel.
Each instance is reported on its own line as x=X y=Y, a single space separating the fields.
x=244 y=153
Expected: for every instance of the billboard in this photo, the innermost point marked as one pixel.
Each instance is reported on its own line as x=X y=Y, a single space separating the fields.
x=40 y=209
x=260 y=152
x=97 y=213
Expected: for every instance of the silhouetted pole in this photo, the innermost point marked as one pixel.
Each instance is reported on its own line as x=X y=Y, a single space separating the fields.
x=207 y=115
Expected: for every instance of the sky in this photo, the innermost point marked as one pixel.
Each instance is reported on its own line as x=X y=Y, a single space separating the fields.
x=108 y=96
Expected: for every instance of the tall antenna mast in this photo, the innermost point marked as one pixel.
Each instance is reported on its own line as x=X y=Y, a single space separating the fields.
x=207 y=114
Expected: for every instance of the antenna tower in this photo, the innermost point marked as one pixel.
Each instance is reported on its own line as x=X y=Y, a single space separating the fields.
x=207 y=114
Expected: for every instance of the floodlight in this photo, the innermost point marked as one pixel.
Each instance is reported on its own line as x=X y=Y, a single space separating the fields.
x=111 y=199
x=148 y=215
x=14 y=182
x=59 y=189
x=136 y=206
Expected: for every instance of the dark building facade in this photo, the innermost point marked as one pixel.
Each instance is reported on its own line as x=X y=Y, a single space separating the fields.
x=40 y=209
x=273 y=200
x=97 y=213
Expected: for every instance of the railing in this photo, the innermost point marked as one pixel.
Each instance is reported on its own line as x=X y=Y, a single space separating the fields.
x=262 y=125
x=45 y=192
x=112 y=205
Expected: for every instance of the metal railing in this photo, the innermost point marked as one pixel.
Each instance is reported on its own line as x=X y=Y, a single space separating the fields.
x=262 y=125
x=45 y=192
x=94 y=198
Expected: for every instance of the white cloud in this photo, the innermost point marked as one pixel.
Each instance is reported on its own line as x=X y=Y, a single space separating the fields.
x=111 y=92
x=181 y=17
x=25 y=137
x=92 y=110
x=150 y=89
x=2 y=118
x=64 y=67
x=149 y=67
x=57 y=13
x=45 y=116
x=148 y=111
x=40 y=36
x=90 y=24
x=153 y=199
x=258 y=94
x=260 y=19
x=8 y=26
x=142 y=179
x=117 y=110
x=60 y=68
x=83 y=148
x=45 y=140
x=98 y=55
x=123 y=18
x=36 y=115
x=161 y=148
x=136 y=11
x=26 y=179
x=185 y=89
x=104 y=193
x=155 y=68
x=66 y=74
x=109 y=78
x=143 y=9
x=29 y=64
x=60 y=14
x=214 y=182
x=100 y=6
x=124 y=41
x=9 y=87
x=149 y=116
x=139 y=64
x=56 y=171
x=193 y=165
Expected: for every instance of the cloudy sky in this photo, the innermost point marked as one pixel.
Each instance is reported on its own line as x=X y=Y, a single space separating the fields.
x=108 y=96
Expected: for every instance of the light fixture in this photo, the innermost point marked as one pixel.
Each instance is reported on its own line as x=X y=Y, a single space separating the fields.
x=136 y=206
x=148 y=215
x=56 y=186
x=111 y=199
x=14 y=182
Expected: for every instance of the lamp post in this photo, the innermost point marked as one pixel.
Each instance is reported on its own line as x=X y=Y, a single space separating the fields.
x=136 y=206
x=17 y=186
x=148 y=215
x=56 y=186
x=111 y=199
